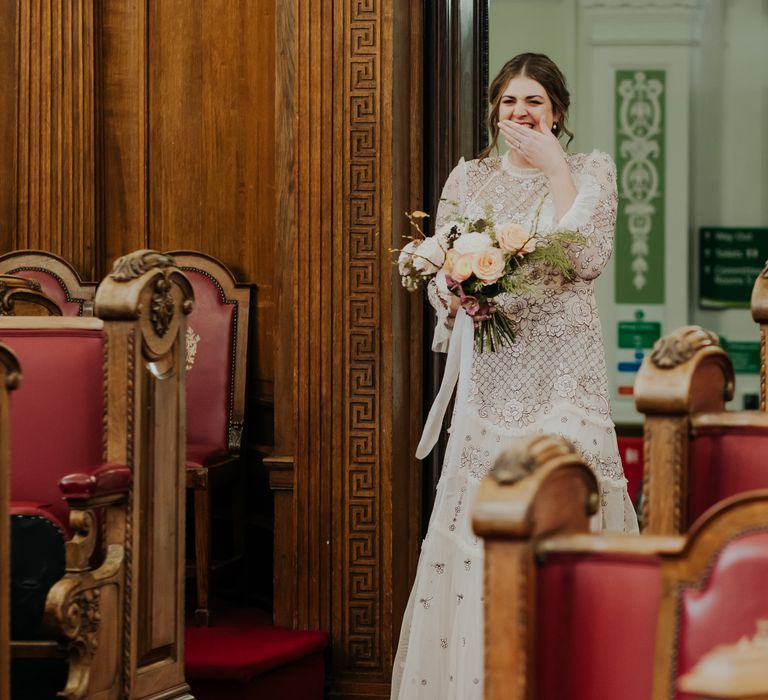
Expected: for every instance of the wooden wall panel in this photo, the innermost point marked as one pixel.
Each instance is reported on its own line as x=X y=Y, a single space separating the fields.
x=189 y=148
x=123 y=167
x=211 y=154
x=9 y=119
x=52 y=179
x=357 y=169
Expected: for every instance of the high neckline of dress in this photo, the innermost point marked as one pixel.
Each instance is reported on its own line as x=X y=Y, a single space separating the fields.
x=516 y=170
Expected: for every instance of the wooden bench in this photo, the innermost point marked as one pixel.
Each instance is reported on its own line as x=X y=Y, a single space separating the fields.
x=101 y=412
x=576 y=616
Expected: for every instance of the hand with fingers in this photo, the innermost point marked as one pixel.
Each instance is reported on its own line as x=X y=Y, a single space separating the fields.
x=538 y=147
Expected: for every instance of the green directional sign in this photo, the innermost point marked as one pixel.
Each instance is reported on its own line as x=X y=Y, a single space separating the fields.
x=730 y=259
x=745 y=355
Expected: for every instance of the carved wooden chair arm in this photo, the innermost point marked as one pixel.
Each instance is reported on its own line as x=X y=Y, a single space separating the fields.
x=107 y=483
x=687 y=371
x=539 y=486
x=73 y=612
x=75 y=604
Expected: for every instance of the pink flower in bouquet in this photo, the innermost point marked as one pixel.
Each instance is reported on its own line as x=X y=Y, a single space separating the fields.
x=515 y=239
x=462 y=268
x=489 y=265
x=470 y=304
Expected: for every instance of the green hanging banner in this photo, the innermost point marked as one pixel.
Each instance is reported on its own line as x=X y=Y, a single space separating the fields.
x=640 y=173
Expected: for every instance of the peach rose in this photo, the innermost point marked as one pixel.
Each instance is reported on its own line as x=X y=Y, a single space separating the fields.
x=462 y=268
x=488 y=266
x=450 y=259
x=515 y=239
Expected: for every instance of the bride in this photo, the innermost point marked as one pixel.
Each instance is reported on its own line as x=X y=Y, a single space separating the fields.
x=552 y=379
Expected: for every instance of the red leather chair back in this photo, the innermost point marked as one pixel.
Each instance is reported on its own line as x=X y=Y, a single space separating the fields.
x=58 y=412
x=725 y=461
x=736 y=585
x=54 y=287
x=597 y=626
x=210 y=380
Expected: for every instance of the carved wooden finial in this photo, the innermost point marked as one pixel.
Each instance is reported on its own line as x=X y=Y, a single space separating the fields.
x=676 y=348
x=525 y=456
x=135 y=264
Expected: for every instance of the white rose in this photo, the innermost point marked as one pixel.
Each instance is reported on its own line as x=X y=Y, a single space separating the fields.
x=429 y=257
x=406 y=257
x=470 y=243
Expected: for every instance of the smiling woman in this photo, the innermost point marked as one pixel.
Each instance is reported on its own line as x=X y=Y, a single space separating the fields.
x=551 y=379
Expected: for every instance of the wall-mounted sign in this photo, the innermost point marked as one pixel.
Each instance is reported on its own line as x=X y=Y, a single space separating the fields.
x=745 y=355
x=730 y=259
x=639 y=333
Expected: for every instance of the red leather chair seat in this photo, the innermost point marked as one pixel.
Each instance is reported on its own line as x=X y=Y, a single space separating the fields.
x=725 y=462
x=39 y=510
x=205 y=455
x=597 y=626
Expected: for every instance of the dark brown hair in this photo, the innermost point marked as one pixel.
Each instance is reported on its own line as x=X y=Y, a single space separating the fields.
x=543 y=70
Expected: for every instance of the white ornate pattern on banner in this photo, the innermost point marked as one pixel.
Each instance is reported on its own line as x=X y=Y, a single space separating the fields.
x=640 y=125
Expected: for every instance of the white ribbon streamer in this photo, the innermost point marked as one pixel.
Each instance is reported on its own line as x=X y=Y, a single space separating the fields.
x=458 y=362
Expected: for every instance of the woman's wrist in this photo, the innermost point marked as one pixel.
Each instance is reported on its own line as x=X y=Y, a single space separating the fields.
x=558 y=169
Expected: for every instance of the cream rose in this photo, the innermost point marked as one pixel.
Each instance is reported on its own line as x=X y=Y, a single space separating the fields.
x=462 y=268
x=450 y=259
x=470 y=243
x=429 y=257
x=515 y=239
x=488 y=266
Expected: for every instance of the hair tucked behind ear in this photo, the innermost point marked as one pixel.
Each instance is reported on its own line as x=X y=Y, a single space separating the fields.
x=543 y=70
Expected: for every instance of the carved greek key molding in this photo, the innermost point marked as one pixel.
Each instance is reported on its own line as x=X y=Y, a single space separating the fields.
x=362 y=131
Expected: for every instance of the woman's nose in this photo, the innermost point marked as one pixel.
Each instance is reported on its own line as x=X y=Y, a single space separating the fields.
x=518 y=110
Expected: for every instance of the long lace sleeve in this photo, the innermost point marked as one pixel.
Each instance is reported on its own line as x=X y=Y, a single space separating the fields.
x=450 y=206
x=593 y=215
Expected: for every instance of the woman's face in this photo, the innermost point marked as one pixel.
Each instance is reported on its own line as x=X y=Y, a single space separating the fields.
x=525 y=102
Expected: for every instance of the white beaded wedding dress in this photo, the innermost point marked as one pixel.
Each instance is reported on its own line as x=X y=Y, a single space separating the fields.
x=551 y=380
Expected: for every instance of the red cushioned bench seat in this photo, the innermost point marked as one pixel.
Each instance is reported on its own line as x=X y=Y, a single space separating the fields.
x=245 y=663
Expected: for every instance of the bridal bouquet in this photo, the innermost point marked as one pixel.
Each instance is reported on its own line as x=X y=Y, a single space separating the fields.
x=481 y=260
